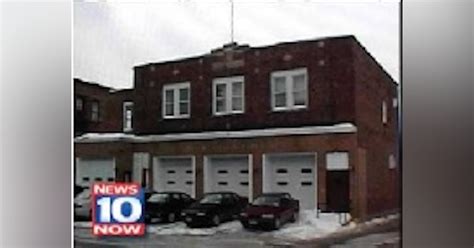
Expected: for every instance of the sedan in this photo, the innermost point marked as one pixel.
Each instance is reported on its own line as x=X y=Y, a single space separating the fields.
x=166 y=206
x=214 y=208
x=271 y=210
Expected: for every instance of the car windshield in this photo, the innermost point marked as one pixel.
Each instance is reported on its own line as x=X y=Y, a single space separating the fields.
x=211 y=199
x=273 y=201
x=84 y=194
x=159 y=198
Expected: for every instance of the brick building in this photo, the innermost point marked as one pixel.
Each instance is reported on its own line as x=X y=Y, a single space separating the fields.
x=98 y=108
x=315 y=118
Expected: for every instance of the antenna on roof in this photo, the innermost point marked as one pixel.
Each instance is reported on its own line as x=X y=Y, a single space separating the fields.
x=231 y=21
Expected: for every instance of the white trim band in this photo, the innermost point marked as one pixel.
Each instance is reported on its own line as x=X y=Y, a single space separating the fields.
x=254 y=133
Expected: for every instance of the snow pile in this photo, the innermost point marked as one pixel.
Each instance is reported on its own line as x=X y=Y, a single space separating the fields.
x=308 y=226
x=181 y=229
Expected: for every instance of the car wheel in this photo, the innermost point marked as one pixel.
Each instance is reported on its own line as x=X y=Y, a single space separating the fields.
x=277 y=223
x=171 y=217
x=294 y=216
x=216 y=220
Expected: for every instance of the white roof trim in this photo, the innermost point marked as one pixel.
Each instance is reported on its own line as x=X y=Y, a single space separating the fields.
x=254 y=133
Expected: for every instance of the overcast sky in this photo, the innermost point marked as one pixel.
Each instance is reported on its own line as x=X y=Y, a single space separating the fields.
x=111 y=38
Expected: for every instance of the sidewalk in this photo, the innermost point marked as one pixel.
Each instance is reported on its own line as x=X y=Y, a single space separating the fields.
x=388 y=224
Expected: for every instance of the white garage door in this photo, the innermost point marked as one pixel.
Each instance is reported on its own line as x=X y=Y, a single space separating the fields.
x=174 y=174
x=227 y=173
x=94 y=170
x=292 y=173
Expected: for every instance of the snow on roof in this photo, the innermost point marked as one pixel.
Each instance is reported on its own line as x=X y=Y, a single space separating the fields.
x=270 y=132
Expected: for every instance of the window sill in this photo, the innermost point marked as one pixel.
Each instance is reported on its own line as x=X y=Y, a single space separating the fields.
x=227 y=114
x=289 y=109
x=176 y=117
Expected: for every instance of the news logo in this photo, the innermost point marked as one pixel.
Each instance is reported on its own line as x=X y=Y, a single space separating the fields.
x=117 y=209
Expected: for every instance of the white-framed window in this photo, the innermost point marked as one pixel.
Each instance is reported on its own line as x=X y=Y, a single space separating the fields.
x=127 y=116
x=79 y=104
x=392 y=162
x=176 y=100
x=384 y=112
x=95 y=111
x=337 y=161
x=289 y=89
x=228 y=95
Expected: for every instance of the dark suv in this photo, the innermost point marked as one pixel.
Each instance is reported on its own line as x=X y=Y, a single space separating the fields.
x=214 y=208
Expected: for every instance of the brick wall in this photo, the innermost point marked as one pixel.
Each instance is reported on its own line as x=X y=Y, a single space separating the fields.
x=330 y=87
x=110 y=107
x=374 y=85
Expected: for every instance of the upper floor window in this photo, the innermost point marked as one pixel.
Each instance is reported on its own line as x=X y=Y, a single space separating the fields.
x=176 y=100
x=95 y=111
x=228 y=95
x=127 y=116
x=79 y=104
x=384 y=112
x=289 y=89
x=392 y=162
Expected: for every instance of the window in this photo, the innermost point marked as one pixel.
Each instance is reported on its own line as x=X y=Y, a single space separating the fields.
x=222 y=183
x=282 y=171
x=306 y=170
x=306 y=183
x=222 y=171
x=392 y=163
x=228 y=95
x=384 y=112
x=95 y=111
x=79 y=104
x=127 y=116
x=171 y=172
x=282 y=183
x=176 y=101
x=189 y=182
x=337 y=161
x=289 y=89
x=244 y=183
x=189 y=171
x=170 y=182
x=244 y=171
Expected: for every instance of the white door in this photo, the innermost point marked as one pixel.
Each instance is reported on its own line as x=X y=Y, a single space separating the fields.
x=141 y=168
x=227 y=173
x=89 y=170
x=292 y=173
x=174 y=174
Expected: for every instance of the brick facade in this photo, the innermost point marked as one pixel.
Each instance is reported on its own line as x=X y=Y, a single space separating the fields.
x=345 y=85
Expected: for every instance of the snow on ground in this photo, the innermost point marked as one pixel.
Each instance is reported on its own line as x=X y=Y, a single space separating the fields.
x=180 y=228
x=308 y=226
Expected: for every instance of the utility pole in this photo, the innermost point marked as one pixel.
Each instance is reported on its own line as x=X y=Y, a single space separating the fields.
x=231 y=21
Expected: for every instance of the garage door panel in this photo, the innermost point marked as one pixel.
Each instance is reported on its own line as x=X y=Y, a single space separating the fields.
x=227 y=173
x=174 y=174
x=292 y=173
x=94 y=170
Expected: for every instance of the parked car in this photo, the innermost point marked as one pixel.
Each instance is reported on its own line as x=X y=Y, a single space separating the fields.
x=82 y=205
x=270 y=210
x=214 y=208
x=166 y=206
x=78 y=189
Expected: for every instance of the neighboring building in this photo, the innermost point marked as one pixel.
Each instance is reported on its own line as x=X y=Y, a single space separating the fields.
x=99 y=108
x=317 y=119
